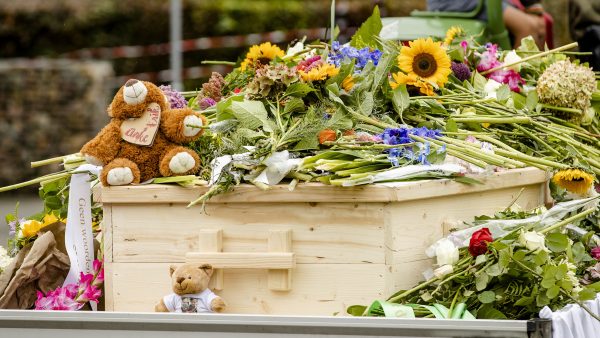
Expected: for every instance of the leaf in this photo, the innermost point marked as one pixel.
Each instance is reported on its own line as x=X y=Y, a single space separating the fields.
x=383 y=68
x=489 y=312
x=356 y=310
x=366 y=35
x=224 y=107
x=400 y=99
x=504 y=258
x=252 y=115
x=298 y=89
x=580 y=254
x=540 y=257
x=479 y=82
x=552 y=292
x=494 y=270
x=524 y=301
x=557 y=242
x=487 y=297
x=451 y=126
x=481 y=281
x=293 y=105
x=587 y=294
x=519 y=100
x=532 y=100
x=561 y=271
x=503 y=93
x=366 y=104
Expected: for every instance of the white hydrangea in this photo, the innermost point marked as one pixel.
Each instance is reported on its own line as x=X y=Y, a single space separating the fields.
x=5 y=259
x=565 y=84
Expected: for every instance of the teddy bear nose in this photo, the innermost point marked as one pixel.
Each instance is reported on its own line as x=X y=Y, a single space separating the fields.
x=180 y=279
x=131 y=82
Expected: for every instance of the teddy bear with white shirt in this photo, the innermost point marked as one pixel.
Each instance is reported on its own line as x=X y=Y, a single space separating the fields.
x=190 y=291
x=144 y=137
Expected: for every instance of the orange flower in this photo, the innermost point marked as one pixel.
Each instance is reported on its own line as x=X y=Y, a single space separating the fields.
x=326 y=135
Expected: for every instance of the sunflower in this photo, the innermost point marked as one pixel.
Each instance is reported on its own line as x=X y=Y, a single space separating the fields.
x=574 y=180
x=412 y=80
x=320 y=72
x=348 y=83
x=262 y=54
x=425 y=59
x=451 y=34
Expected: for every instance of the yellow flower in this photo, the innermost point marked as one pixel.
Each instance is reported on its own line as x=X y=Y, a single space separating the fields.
x=412 y=80
x=451 y=34
x=321 y=72
x=425 y=59
x=262 y=54
x=348 y=83
x=31 y=227
x=574 y=180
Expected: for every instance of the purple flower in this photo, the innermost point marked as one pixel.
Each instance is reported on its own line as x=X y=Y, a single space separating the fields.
x=206 y=103
x=12 y=226
x=596 y=253
x=176 y=100
x=461 y=71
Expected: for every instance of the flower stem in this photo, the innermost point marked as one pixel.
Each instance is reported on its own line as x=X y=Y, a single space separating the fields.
x=564 y=222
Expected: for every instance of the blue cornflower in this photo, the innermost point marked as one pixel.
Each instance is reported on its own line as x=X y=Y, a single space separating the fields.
x=346 y=53
x=393 y=136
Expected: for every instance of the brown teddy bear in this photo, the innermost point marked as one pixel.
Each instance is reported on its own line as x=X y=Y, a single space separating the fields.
x=191 y=292
x=143 y=139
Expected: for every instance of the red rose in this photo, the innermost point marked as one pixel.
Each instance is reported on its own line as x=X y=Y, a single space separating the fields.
x=479 y=242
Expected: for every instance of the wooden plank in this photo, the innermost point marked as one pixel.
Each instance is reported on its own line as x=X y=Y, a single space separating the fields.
x=316 y=192
x=107 y=242
x=412 y=226
x=280 y=241
x=211 y=240
x=323 y=232
x=319 y=289
x=244 y=260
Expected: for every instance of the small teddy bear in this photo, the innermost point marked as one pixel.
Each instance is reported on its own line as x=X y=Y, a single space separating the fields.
x=144 y=137
x=191 y=292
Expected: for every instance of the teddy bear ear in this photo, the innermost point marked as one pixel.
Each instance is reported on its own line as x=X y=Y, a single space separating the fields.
x=207 y=268
x=172 y=269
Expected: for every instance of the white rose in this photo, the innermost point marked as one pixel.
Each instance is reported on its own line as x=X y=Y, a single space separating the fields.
x=490 y=88
x=443 y=271
x=511 y=57
x=532 y=240
x=446 y=252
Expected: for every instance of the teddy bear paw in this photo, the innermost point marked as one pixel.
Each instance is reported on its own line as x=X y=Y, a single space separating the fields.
x=119 y=176
x=181 y=163
x=191 y=125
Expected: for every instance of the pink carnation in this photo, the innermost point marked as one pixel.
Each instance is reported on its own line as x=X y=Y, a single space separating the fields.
x=489 y=60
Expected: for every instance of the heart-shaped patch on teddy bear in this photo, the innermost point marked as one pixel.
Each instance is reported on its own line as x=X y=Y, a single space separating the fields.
x=142 y=130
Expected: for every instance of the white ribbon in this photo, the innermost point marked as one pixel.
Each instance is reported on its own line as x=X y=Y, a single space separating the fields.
x=79 y=239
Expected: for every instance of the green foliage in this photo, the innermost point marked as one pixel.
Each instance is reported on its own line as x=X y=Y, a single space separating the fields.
x=366 y=35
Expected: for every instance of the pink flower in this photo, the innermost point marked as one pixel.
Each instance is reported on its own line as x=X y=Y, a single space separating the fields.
x=508 y=76
x=59 y=299
x=489 y=58
x=309 y=63
x=596 y=253
x=464 y=44
x=89 y=294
